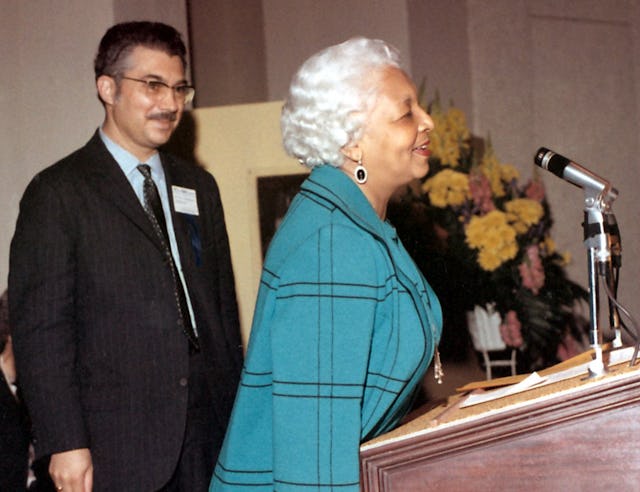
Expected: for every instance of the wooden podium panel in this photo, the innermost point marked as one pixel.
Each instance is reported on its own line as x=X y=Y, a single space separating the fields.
x=575 y=435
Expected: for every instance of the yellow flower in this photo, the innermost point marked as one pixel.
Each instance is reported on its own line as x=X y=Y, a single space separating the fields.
x=522 y=213
x=498 y=174
x=450 y=152
x=491 y=168
x=509 y=173
x=447 y=188
x=450 y=135
x=494 y=239
x=436 y=145
x=457 y=125
x=565 y=258
x=549 y=245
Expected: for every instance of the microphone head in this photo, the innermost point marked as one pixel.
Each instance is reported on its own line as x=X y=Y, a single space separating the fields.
x=574 y=173
x=552 y=162
x=540 y=155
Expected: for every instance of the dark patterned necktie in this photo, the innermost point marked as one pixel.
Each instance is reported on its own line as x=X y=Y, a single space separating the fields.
x=153 y=208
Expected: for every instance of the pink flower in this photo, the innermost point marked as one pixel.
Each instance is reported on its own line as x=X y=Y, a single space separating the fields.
x=535 y=190
x=480 y=189
x=531 y=270
x=511 y=330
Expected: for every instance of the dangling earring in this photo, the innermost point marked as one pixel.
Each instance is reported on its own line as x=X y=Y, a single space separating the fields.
x=360 y=173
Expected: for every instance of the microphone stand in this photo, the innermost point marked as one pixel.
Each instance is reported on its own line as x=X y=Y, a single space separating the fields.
x=598 y=243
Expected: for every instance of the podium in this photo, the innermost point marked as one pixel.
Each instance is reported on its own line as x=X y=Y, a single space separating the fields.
x=576 y=434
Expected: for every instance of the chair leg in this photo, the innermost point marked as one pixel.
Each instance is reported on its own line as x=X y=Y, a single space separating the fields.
x=487 y=363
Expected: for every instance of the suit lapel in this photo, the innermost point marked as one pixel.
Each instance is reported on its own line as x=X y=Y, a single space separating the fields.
x=105 y=176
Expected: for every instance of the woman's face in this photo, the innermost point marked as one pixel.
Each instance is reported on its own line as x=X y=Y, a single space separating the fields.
x=394 y=145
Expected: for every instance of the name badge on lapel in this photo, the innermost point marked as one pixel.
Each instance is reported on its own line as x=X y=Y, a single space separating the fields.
x=184 y=200
x=186 y=203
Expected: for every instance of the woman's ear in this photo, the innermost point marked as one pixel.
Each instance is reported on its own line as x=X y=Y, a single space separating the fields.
x=107 y=89
x=353 y=152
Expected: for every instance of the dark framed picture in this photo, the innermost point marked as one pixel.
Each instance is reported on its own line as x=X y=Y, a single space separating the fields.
x=275 y=194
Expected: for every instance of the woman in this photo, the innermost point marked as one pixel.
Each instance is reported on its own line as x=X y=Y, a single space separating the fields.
x=345 y=325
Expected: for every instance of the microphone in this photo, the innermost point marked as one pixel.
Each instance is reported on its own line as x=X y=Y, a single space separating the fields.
x=600 y=227
x=573 y=173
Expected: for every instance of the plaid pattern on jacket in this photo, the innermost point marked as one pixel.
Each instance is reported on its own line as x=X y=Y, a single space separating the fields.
x=344 y=329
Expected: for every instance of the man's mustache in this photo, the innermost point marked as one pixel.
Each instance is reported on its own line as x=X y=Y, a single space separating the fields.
x=165 y=115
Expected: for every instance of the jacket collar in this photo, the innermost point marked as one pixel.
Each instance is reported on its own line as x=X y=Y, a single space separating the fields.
x=335 y=186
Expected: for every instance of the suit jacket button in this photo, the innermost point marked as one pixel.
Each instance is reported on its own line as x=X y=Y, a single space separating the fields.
x=183 y=381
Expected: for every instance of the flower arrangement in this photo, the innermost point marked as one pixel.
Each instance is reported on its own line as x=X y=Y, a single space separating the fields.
x=487 y=240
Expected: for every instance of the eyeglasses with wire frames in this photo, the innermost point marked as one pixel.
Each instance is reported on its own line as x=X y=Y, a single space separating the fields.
x=159 y=90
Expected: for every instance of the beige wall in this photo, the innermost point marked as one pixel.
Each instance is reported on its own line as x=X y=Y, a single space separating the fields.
x=295 y=29
x=439 y=49
x=229 y=65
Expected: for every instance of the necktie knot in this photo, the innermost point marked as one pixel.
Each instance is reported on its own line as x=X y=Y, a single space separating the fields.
x=145 y=170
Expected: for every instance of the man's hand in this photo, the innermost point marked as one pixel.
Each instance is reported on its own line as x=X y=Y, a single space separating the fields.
x=72 y=471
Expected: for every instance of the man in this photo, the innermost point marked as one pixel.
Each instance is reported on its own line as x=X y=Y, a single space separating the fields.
x=121 y=289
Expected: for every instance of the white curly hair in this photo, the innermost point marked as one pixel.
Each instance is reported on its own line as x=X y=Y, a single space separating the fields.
x=330 y=97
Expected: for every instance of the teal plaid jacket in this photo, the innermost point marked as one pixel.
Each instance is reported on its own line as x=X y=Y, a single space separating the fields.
x=344 y=329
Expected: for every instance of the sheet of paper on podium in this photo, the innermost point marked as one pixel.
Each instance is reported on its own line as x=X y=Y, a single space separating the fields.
x=535 y=380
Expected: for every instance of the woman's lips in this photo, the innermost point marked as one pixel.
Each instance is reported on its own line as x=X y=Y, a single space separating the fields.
x=423 y=149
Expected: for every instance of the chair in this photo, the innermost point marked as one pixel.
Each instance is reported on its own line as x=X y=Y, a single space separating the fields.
x=484 y=328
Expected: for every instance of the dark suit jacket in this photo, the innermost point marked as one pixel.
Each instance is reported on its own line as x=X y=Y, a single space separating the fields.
x=101 y=357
